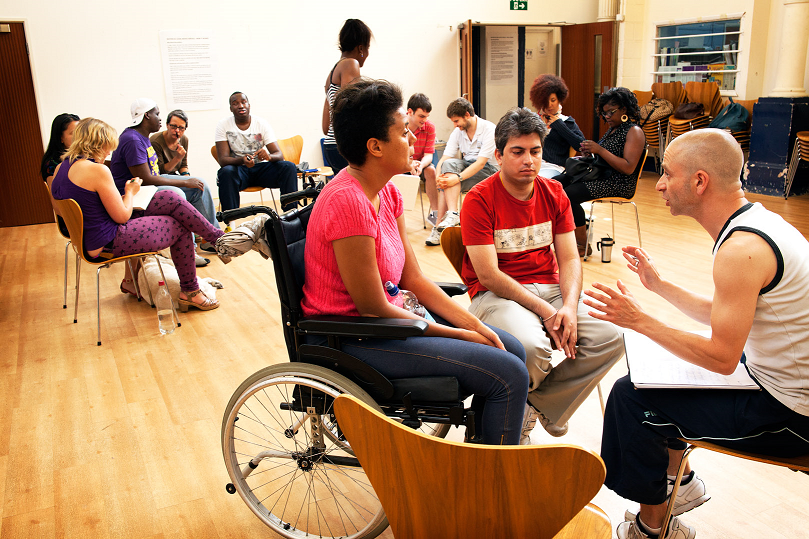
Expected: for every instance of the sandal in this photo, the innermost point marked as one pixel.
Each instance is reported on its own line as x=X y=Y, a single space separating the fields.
x=125 y=291
x=207 y=305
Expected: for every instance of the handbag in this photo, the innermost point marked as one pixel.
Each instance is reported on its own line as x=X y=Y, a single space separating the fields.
x=689 y=111
x=656 y=109
x=584 y=169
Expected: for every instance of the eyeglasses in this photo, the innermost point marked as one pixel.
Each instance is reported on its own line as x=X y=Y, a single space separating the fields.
x=177 y=127
x=607 y=114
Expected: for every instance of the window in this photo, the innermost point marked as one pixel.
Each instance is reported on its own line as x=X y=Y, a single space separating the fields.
x=700 y=51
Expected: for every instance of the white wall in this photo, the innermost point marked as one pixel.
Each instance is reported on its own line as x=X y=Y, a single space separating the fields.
x=93 y=57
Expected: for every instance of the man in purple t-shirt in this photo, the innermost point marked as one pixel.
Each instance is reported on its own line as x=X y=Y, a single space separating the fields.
x=135 y=158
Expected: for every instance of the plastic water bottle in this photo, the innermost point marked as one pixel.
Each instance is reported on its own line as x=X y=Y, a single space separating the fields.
x=165 y=316
x=411 y=302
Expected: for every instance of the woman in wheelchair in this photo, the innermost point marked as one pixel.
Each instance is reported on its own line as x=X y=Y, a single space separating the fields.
x=356 y=241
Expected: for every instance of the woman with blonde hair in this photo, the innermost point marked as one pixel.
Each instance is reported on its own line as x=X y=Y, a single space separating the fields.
x=112 y=227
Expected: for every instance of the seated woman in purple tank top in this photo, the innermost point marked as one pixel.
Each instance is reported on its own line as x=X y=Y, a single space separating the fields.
x=110 y=223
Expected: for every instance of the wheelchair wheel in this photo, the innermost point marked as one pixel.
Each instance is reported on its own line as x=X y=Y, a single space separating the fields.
x=288 y=459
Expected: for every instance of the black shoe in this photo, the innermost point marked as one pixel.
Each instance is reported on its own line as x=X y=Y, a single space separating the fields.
x=201 y=262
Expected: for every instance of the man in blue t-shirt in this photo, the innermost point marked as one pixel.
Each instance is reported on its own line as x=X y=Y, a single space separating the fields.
x=135 y=158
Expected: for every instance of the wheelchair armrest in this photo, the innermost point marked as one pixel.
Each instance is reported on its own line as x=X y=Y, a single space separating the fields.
x=363 y=327
x=453 y=289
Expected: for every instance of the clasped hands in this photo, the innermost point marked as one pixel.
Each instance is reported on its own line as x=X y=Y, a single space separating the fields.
x=447 y=179
x=562 y=328
x=250 y=159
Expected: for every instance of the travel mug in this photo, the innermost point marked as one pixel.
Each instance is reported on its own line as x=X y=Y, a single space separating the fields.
x=605 y=246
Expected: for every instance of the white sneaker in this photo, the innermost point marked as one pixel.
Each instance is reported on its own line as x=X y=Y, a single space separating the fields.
x=432 y=218
x=552 y=428
x=529 y=421
x=434 y=238
x=688 y=497
x=677 y=530
x=451 y=218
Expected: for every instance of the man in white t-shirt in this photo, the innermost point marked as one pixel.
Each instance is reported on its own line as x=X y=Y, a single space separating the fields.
x=468 y=159
x=248 y=154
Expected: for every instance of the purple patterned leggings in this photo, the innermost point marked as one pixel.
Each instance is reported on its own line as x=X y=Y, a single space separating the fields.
x=167 y=221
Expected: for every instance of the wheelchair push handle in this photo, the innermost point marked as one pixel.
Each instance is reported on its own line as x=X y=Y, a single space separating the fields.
x=309 y=192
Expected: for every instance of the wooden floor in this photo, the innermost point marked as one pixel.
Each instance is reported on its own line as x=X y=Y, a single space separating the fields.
x=122 y=440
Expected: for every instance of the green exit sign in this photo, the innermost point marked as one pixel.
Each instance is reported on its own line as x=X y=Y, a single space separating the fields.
x=519 y=5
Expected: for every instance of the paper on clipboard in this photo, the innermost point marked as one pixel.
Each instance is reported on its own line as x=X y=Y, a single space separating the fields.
x=652 y=366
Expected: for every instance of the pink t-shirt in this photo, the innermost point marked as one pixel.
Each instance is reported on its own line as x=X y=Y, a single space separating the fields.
x=342 y=210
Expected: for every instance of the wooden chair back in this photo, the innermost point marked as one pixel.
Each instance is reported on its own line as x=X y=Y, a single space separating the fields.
x=292 y=148
x=431 y=487
x=453 y=247
x=643 y=97
x=215 y=154
x=706 y=93
x=55 y=211
x=670 y=91
x=71 y=213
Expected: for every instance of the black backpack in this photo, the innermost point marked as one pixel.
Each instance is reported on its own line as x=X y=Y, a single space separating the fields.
x=733 y=117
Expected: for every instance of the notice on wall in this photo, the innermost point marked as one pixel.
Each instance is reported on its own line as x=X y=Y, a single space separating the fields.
x=502 y=58
x=189 y=69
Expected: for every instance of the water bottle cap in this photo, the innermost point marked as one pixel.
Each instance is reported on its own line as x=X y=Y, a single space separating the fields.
x=391 y=289
x=161 y=283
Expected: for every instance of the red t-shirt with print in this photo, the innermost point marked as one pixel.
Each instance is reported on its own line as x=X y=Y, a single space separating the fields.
x=521 y=231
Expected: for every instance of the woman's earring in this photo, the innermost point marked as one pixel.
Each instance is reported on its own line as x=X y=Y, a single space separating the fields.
x=624 y=118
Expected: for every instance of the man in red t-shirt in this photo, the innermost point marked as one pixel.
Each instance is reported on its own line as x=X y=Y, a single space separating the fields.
x=418 y=110
x=508 y=223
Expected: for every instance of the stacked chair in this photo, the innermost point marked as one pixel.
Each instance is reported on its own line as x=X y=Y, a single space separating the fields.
x=706 y=93
x=799 y=153
x=743 y=137
x=654 y=130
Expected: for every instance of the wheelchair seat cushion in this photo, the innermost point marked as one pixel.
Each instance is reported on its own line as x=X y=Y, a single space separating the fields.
x=427 y=389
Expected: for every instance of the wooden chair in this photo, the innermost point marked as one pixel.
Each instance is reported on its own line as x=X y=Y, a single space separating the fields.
x=643 y=97
x=670 y=91
x=67 y=245
x=430 y=487
x=743 y=137
x=454 y=250
x=74 y=219
x=620 y=201
x=706 y=93
x=795 y=464
x=800 y=152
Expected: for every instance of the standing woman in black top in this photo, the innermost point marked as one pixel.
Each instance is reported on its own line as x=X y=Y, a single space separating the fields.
x=355 y=41
x=547 y=95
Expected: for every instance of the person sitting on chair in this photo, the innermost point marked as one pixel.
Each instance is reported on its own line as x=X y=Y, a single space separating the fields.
x=516 y=282
x=61 y=138
x=418 y=110
x=548 y=93
x=757 y=315
x=249 y=155
x=621 y=148
x=112 y=228
x=171 y=147
x=357 y=241
x=468 y=159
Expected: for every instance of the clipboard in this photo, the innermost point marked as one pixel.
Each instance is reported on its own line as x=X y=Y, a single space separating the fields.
x=652 y=366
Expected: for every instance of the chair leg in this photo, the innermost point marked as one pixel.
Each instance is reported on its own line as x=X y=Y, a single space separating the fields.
x=589 y=231
x=64 y=303
x=421 y=201
x=98 y=302
x=676 y=486
x=173 y=310
x=601 y=400
x=134 y=275
x=793 y=167
x=78 y=276
x=637 y=223
x=612 y=214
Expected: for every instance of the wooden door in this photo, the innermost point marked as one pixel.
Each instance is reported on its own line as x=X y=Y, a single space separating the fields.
x=22 y=199
x=586 y=73
x=466 y=60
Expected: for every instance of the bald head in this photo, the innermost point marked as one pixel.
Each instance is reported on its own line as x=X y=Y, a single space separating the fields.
x=713 y=150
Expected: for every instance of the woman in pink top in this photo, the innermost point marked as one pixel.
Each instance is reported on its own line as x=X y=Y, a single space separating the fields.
x=356 y=241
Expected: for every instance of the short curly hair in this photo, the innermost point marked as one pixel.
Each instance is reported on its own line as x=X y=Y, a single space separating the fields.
x=517 y=122
x=363 y=110
x=621 y=97
x=545 y=85
x=459 y=107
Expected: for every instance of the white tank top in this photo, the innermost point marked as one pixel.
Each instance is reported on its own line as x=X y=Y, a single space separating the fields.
x=777 y=348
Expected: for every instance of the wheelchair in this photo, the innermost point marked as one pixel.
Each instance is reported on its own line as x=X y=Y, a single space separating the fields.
x=282 y=444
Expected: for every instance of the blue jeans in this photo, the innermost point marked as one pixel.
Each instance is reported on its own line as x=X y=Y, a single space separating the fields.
x=233 y=179
x=497 y=378
x=336 y=161
x=200 y=199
